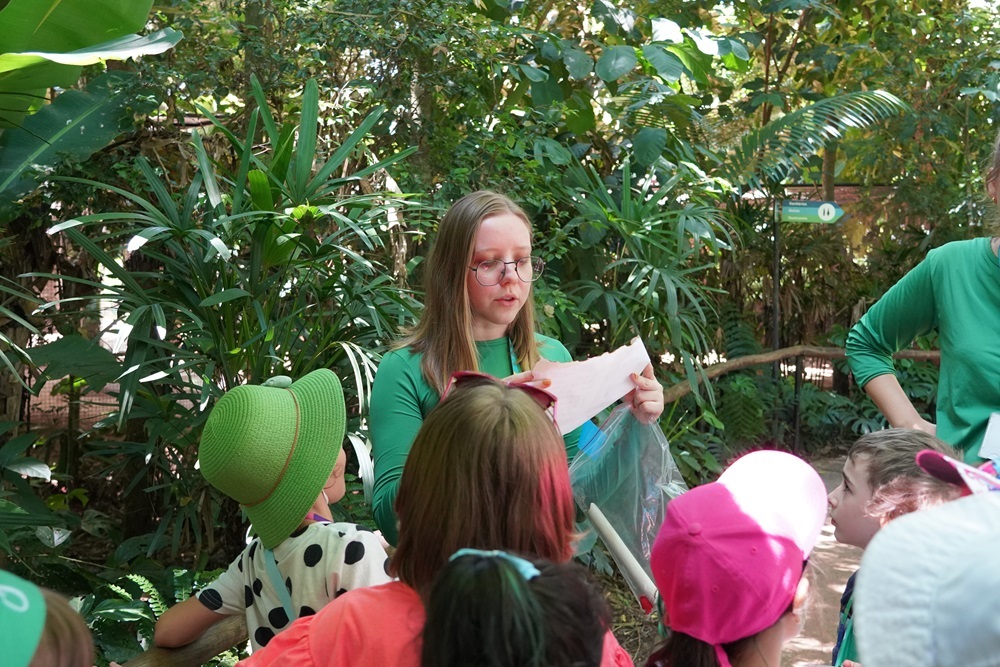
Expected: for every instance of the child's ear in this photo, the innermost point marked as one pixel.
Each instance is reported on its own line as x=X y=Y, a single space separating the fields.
x=340 y=467
x=801 y=596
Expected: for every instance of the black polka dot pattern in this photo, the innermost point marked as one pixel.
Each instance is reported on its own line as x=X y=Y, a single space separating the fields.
x=248 y=596
x=211 y=599
x=312 y=555
x=253 y=549
x=288 y=585
x=306 y=611
x=258 y=586
x=354 y=552
x=277 y=617
x=263 y=635
x=340 y=591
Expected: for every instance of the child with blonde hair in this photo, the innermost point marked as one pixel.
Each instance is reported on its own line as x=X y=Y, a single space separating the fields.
x=881 y=481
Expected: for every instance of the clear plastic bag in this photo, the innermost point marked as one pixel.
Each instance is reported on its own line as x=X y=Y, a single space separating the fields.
x=622 y=479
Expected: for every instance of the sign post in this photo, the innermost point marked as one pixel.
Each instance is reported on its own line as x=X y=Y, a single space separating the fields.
x=793 y=210
x=814 y=212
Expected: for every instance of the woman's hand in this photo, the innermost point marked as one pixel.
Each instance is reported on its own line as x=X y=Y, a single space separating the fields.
x=527 y=377
x=646 y=400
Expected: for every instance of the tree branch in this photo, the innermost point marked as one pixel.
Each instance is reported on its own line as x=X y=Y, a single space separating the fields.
x=677 y=391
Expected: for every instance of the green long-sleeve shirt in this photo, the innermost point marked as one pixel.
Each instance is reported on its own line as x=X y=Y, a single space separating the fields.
x=402 y=398
x=955 y=290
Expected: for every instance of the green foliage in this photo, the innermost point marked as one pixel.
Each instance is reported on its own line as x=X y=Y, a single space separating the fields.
x=633 y=267
x=122 y=615
x=265 y=265
x=46 y=45
x=780 y=148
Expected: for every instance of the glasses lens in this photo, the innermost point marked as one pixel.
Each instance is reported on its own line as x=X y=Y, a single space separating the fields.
x=529 y=268
x=488 y=273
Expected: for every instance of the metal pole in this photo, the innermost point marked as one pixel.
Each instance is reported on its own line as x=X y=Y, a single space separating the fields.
x=776 y=290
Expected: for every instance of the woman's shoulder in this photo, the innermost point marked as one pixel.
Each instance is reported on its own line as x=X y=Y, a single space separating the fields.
x=959 y=250
x=402 y=360
x=552 y=349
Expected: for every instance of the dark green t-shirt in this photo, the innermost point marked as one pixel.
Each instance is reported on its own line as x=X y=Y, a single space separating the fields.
x=402 y=398
x=956 y=291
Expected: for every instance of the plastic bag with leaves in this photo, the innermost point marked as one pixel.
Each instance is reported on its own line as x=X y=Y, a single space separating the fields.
x=622 y=479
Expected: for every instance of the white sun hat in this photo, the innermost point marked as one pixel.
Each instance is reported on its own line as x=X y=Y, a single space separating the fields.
x=928 y=591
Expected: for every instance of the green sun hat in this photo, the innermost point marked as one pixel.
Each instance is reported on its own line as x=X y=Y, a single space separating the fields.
x=272 y=447
x=22 y=619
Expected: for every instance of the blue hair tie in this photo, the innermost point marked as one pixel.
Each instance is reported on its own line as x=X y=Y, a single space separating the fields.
x=525 y=568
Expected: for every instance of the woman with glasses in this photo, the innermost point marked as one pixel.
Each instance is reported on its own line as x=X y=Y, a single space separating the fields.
x=478 y=316
x=487 y=471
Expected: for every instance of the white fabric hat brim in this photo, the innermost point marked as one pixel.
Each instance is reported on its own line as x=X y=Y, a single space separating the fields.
x=928 y=591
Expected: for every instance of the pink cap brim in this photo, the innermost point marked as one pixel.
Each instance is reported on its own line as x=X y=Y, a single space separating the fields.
x=970 y=479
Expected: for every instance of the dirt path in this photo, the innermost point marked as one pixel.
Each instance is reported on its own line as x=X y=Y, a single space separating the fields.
x=832 y=563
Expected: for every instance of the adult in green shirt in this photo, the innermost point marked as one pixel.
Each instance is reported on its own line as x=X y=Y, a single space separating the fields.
x=478 y=316
x=955 y=290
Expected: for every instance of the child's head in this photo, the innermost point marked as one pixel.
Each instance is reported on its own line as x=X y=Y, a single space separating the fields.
x=272 y=448
x=457 y=304
x=928 y=591
x=730 y=557
x=40 y=629
x=488 y=471
x=881 y=481
x=493 y=608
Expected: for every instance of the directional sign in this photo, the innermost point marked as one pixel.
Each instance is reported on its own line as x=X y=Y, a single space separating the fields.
x=822 y=212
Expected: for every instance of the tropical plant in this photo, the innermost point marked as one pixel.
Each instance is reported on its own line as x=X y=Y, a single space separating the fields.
x=47 y=45
x=122 y=614
x=634 y=268
x=270 y=266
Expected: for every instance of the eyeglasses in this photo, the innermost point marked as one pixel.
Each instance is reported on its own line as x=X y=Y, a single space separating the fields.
x=545 y=399
x=492 y=271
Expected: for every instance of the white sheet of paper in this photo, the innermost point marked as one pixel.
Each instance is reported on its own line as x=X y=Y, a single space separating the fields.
x=990 y=449
x=584 y=388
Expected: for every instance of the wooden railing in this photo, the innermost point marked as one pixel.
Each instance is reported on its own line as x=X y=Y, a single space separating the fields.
x=674 y=392
x=222 y=636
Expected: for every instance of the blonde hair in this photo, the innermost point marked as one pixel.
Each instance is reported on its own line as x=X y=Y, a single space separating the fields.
x=487 y=471
x=992 y=182
x=899 y=486
x=444 y=333
x=65 y=640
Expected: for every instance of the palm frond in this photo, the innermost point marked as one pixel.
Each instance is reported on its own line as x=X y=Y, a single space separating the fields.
x=770 y=154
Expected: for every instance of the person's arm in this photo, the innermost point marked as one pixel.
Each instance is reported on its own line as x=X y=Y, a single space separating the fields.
x=183 y=623
x=888 y=395
x=906 y=311
x=394 y=421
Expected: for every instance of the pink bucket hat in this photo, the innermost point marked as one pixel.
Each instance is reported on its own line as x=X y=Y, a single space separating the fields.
x=730 y=554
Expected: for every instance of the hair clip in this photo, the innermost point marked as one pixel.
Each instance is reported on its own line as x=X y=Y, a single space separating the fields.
x=525 y=568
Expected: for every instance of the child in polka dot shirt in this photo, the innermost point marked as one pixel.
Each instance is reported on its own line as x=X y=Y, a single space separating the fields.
x=276 y=449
